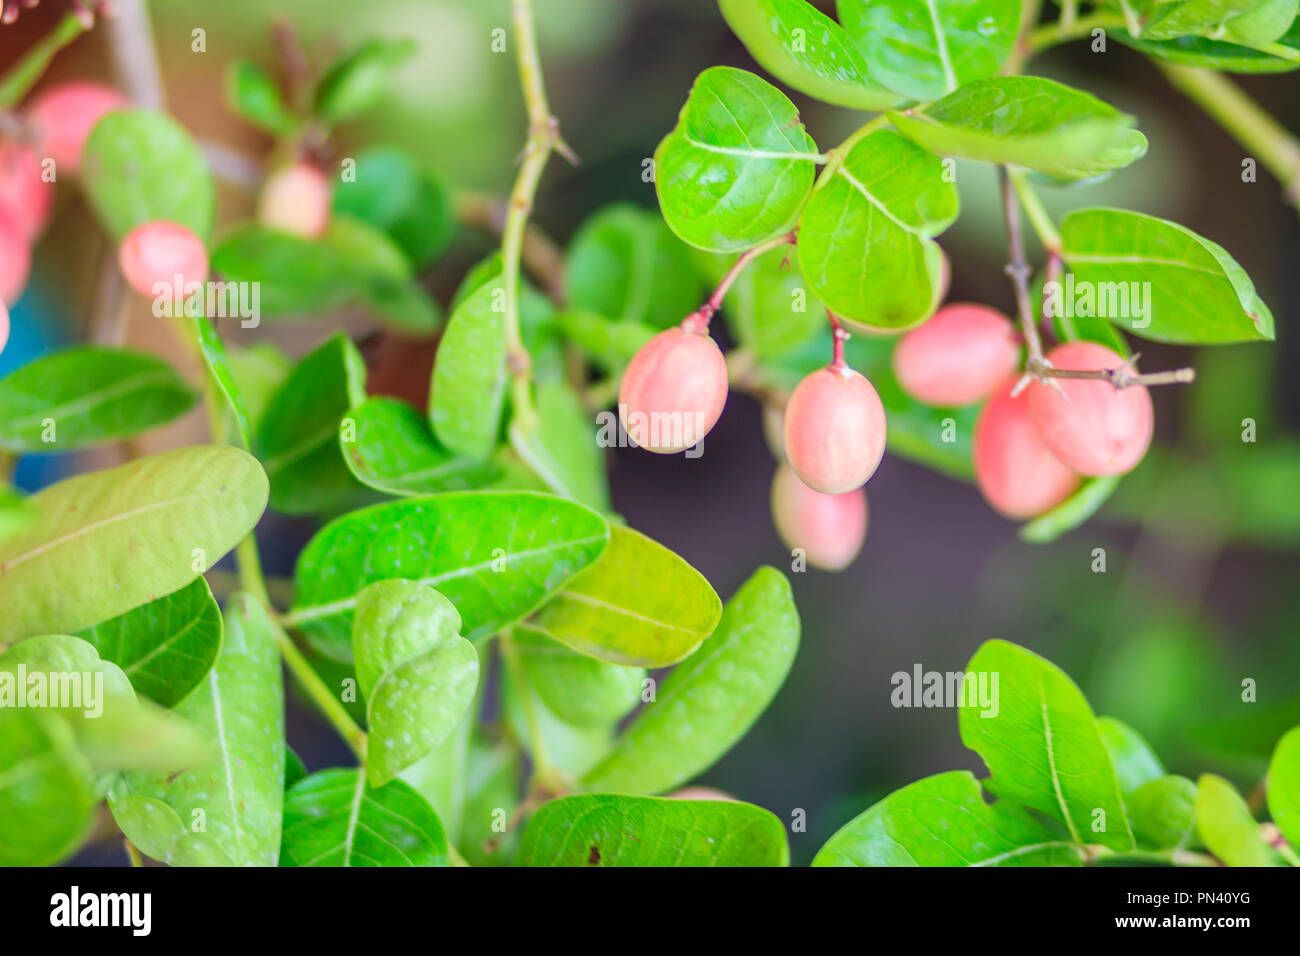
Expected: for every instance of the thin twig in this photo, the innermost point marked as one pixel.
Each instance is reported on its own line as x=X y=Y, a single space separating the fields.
x=539 y=253
x=131 y=46
x=698 y=321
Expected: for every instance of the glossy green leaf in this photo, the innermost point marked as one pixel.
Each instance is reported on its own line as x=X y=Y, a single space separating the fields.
x=47 y=797
x=256 y=98
x=140 y=166
x=387 y=445
x=865 y=235
x=333 y=819
x=562 y=448
x=608 y=344
x=1168 y=20
x=1042 y=746
x=391 y=192
x=440 y=776
x=708 y=702
x=1026 y=121
x=469 y=374
x=106 y=542
x=234 y=801
x=15 y=512
x=640 y=604
x=1070 y=513
x=417 y=673
x=1222 y=55
x=770 y=308
x=297 y=439
x=218 y=365
x=87 y=395
x=1262 y=22
x=1134 y=761
x=362 y=79
x=925 y=49
x=258 y=371
x=736 y=169
x=1225 y=824
x=1163 y=812
x=165 y=647
x=805 y=49
x=571 y=750
x=1284 y=786
x=1070 y=327
x=495 y=555
x=1194 y=292
x=492 y=788
x=610 y=830
x=580 y=690
x=944 y=820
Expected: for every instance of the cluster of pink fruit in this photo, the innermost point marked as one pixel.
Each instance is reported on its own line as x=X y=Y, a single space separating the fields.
x=1032 y=445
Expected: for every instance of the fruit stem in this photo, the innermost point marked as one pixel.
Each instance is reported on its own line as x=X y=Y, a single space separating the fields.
x=22 y=76
x=698 y=321
x=840 y=335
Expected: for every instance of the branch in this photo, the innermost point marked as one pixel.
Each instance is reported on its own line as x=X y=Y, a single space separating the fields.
x=22 y=76
x=698 y=320
x=538 y=252
x=131 y=47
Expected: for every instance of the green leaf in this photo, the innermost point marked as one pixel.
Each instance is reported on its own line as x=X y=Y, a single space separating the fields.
x=417 y=673
x=1169 y=20
x=333 y=819
x=258 y=371
x=87 y=395
x=580 y=690
x=561 y=447
x=708 y=702
x=1134 y=761
x=234 y=802
x=736 y=169
x=218 y=364
x=1026 y=121
x=392 y=450
x=493 y=786
x=865 y=235
x=106 y=542
x=805 y=49
x=1284 y=786
x=610 y=345
x=1225 y=824
x=297 y=439
x=944 y=820
x=469 y=374
x=47 y=799
x=625 y=264
x=1071 y=512
x=440 y=776
x=140 y=166
x=1163 y=812
x=495 y=555
x=1218 y=54
x=361 y=80
x=1195 y=293
x=640 y=604
x=924 y=49
x=1069 y=327
x=769 y=308
x=165 y=647
x=1263 y=22
x=571 y=750
x=256 y=98
x=15 y=512
x=1042 y=746
x=609 y=830
x=391 y=192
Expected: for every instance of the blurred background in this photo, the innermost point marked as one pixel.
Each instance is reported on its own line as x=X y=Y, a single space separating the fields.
x=1202 y=542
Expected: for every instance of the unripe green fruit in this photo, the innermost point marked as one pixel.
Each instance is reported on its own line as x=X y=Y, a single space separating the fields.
x=296 y=199
x=162 y=254
x=1094 y=428
x=1014 y=470
x=24 y=193
x=958 y=356
x=673 y=391
x=834 y=430
x=15 y=258
x=829 y=529
x=64 y=116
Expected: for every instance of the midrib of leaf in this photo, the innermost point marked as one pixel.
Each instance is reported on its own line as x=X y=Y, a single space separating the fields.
x=752 y=152
x=870 y=197
x=1102 y=259
x=1027 y=848
x=1051 y=763
x=587 y=599
x=189 y=626
x=941 y=42
x=93 y=399
x=219 y=716
x=353 y=815
x=300 y=450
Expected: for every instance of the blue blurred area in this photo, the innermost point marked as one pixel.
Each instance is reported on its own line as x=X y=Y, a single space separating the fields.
x=36 y=326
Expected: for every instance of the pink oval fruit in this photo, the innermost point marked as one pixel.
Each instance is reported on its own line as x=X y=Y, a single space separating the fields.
x=64 y=116
x=1094 y=428
x=829 y=529
x=673 y=391
x=1014 y=470
x=700 y=793
x=834 y=430
x=23 y=190
x=296 y=199
x=15 y=257
x=958 y=356
x=162 y=253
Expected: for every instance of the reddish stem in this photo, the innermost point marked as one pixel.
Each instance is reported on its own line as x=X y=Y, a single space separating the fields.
x=841 y=335
x=698 y=321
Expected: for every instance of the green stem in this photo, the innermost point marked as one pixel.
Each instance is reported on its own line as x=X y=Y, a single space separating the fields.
x=22 y=76
x=133 y=854
x=542 y=769
x=1039 y=218
x=1053 y=34
x=320 y=694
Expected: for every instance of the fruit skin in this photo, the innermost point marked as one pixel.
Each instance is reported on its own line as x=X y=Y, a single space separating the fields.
x=1017 y=474
x=65 y=114
x=4 y=327
x=157 y=252
x=15 y=257
x=296 y=199
x=829 y=528
x=24 y=194
x=673 y=391
x=1095 y=429
x=958 y=356
x=700 y=793
x=834 y=430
